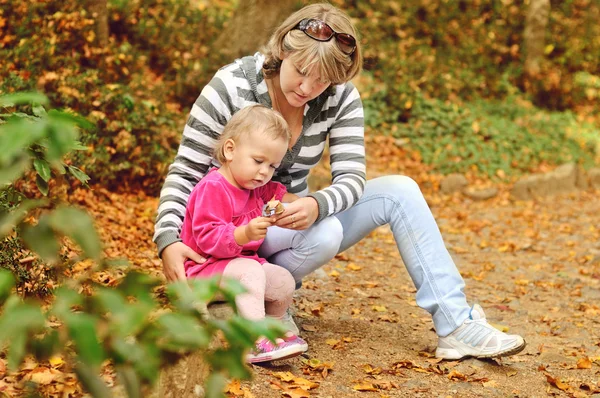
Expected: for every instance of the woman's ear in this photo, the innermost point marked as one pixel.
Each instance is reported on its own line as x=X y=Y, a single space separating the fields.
x=229 y=149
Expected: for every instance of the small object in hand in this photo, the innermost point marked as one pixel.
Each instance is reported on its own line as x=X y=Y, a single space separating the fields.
x=274 y=207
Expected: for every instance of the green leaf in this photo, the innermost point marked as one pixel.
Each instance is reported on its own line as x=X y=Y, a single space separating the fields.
x=41 y=239
x=126 y=318
x=23 y=99
x=80 y=175
x=71 y=119
x=13 y=172
x=88 y=376
x=43 y=348
x=17 y=135
x=82 y=329
x=215 y=385
x=38 y=110
x=65 y=300
x=193 y=296
x=145 y=356
x=78 y=225
x=7 y=282
x=130 y=381
x=16 y=350
x=230 y=361
x=182 y=331
x=42 y=185
x=10 y=220
x=43 y=169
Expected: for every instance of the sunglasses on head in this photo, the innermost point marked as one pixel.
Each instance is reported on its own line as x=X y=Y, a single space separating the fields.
x=320 y=31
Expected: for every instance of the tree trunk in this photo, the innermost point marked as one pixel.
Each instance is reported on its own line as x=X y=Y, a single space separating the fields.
x=98 y=10
x=534 y=35
x=251 y=26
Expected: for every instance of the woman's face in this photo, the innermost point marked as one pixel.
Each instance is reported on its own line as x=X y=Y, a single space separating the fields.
x=299 y=88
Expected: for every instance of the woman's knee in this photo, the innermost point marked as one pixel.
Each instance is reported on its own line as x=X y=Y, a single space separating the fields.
x=329 y=235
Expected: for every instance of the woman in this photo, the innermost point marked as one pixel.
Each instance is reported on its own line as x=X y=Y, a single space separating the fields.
x=304 y=73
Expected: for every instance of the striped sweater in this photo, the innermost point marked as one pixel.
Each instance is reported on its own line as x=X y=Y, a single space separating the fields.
x=337 y=114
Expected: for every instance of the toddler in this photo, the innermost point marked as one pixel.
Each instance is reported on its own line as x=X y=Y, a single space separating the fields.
x=224 y=222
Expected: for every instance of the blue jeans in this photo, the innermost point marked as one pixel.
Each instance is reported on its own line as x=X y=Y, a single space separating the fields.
x=393 y=200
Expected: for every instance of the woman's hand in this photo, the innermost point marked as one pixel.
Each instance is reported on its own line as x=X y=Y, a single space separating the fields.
x=300 y=214
x=173 y=257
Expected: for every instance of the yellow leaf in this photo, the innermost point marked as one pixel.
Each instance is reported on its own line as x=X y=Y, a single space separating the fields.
x=353 y=267
x=584 y=363
x=379 y=308
x=502 y=328
x=332 y=342
x=365 y=387
x=334 y=273
x=284 y=376
x=296 y=393
x=56 y=361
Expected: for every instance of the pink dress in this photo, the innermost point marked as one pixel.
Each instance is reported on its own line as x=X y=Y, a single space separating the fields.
x=215 y=209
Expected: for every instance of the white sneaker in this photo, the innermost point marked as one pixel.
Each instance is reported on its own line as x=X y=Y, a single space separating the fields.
x=288 y=322
x=477 y=338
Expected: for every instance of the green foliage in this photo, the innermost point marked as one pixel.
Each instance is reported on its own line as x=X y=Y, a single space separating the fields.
x=490 y=137
x=126 y=325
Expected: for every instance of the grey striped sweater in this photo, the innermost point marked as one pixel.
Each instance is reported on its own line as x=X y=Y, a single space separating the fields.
x=337 y=114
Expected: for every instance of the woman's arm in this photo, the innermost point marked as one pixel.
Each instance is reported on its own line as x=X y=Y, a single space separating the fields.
x=347 y=150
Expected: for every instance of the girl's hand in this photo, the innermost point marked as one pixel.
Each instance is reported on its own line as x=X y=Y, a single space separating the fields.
x=300 y=214
x=256 y=229
x=173 y=257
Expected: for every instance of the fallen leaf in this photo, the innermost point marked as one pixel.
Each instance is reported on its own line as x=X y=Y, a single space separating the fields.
x=296 y=393
x=379 y=308
x=353 y=267
x=584 y=363
x=557 y=383
x=365 y=387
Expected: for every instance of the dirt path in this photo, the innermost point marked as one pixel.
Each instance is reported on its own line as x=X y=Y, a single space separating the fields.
x=533 y=266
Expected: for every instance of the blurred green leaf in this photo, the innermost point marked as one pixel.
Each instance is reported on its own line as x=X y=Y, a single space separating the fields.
x=82 y=329
x=215 y=385
x=230 y=361
x=64 y=301
x=78 y=225
x=91 y=382
x=9 y=220
x=145 y=357
x=7 y=282
x=14 y=171
x=23 y=99
x=16 y=137
x=41 y=239
x=130 y=380
x=16 y=350
x=182 y=331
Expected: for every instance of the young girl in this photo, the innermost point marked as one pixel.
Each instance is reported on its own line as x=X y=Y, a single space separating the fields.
x=224 y=223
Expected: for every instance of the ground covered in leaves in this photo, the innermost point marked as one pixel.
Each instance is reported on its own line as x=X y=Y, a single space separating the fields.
x=533 y=266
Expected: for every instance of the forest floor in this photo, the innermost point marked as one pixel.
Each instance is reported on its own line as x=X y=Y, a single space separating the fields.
x=533 y=266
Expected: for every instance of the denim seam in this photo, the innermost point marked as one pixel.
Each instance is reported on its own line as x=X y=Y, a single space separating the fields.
x=305 y=257
x=398 y=207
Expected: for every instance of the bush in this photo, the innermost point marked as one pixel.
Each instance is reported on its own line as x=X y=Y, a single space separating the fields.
x=88 y=323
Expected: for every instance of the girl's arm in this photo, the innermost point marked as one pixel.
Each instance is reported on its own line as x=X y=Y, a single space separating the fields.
x=289 y=197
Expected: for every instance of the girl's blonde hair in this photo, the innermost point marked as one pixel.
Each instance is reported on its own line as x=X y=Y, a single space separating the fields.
x=330 y=61
x=253 y=118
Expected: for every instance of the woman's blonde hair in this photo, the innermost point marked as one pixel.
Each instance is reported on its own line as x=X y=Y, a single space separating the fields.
x=331 y=62
x=253 y=118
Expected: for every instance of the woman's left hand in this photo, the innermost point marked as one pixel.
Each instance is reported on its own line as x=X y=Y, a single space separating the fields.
x=300 y=214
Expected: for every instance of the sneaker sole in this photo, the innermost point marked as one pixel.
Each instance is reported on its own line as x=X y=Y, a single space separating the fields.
x=451 y=354
x=284 y=353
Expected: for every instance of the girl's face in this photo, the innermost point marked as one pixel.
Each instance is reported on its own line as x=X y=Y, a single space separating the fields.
x=252 y=160
x=299 y=88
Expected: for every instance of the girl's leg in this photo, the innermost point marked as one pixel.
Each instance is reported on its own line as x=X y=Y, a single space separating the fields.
x=302 y=252
x=251 y=275
x=280 y=286
x=398 y=201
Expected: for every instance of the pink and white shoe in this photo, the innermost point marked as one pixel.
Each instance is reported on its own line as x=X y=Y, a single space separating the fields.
x=287 y=347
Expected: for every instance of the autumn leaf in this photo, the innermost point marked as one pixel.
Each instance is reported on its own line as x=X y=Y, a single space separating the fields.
x=364 y=387
x=296 y=393
x=379 y=308
x=353 y=267
x=558 y=383
x=584 y=363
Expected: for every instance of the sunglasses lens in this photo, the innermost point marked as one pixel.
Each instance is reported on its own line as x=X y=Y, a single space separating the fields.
x=347 y=42
x=319 y=30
